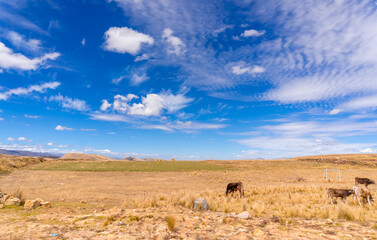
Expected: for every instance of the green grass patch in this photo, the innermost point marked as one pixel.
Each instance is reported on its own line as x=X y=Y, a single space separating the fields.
x=183 y=166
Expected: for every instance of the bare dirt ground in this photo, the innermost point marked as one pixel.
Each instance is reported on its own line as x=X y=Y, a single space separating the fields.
x=134 y=205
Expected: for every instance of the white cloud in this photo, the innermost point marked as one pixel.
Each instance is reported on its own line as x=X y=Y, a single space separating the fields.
x=137 y=79
x=125 y=40
x=151 y=105
x=83 y=41
x=23 y=139
x=252 y=33
x=25 y=91
x=105 y=105
x=32 y=116
x=366 y=102
x=62 y=128
x=335 y=111
x=109 y=117
x=325 y=50
x=296 y=138
x=175 y=44
x=88 y=129
x=20 y=42
x=186 y=126
x=50 y=144
x=120 y=103
x=69 y=103
x=11 y=139
x=116 y=81
x=1 y=119
x=368 y=150
x=11 y=60
x=241 y=68
x=142 y=57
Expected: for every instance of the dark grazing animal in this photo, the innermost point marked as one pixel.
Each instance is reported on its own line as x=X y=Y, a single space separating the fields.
x=342 y=193
x=233 y=187
x=365 y=181
x=364 y=193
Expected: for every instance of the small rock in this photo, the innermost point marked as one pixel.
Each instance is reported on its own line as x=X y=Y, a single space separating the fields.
x=4 y=198
x=203 y=204
x=12 y=201
x=244 y=215
x=31 y=204
x=329 y=221
x=46 y=204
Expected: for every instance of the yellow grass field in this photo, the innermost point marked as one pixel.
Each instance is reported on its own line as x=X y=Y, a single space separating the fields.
x=287 y=199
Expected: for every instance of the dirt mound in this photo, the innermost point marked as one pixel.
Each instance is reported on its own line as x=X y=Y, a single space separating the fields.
x=10 y=162
x=83 y=156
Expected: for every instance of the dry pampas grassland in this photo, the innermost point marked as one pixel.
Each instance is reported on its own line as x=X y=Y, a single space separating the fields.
x=287 y=199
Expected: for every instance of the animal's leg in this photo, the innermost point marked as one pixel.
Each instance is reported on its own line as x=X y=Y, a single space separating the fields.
x=331 y=200
x=369 y=201
x=358 y=199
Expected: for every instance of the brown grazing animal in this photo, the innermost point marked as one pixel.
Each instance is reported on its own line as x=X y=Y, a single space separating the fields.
x=342 y=193
x=364 y=193
x=365 y=181
x=233 y=187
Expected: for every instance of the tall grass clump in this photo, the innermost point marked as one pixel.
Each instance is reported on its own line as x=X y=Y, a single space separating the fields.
x=20 y=195
x=171 y=221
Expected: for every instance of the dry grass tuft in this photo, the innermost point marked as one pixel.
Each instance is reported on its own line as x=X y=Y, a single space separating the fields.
x=19 y=194
x=171 y=221
x=108 y=221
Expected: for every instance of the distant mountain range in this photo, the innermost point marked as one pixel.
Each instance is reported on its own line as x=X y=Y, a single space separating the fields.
x=29 y=154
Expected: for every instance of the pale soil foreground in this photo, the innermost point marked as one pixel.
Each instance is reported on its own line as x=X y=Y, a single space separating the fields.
x=135 y=205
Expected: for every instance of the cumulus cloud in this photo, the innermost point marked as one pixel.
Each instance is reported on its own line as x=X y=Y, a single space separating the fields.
x=19 y=41
x=175 y=44
x=151 y=105
x=70 y=103
x=25 y=91
x=125 y=40
x=252 y=33
x=11 y=60
x=63 y=128
x=23 y=139
x=11 y=139
x=105 y=105
x=83 y=41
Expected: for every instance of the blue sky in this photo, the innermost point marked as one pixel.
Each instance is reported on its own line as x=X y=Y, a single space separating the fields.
x=189 y=79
